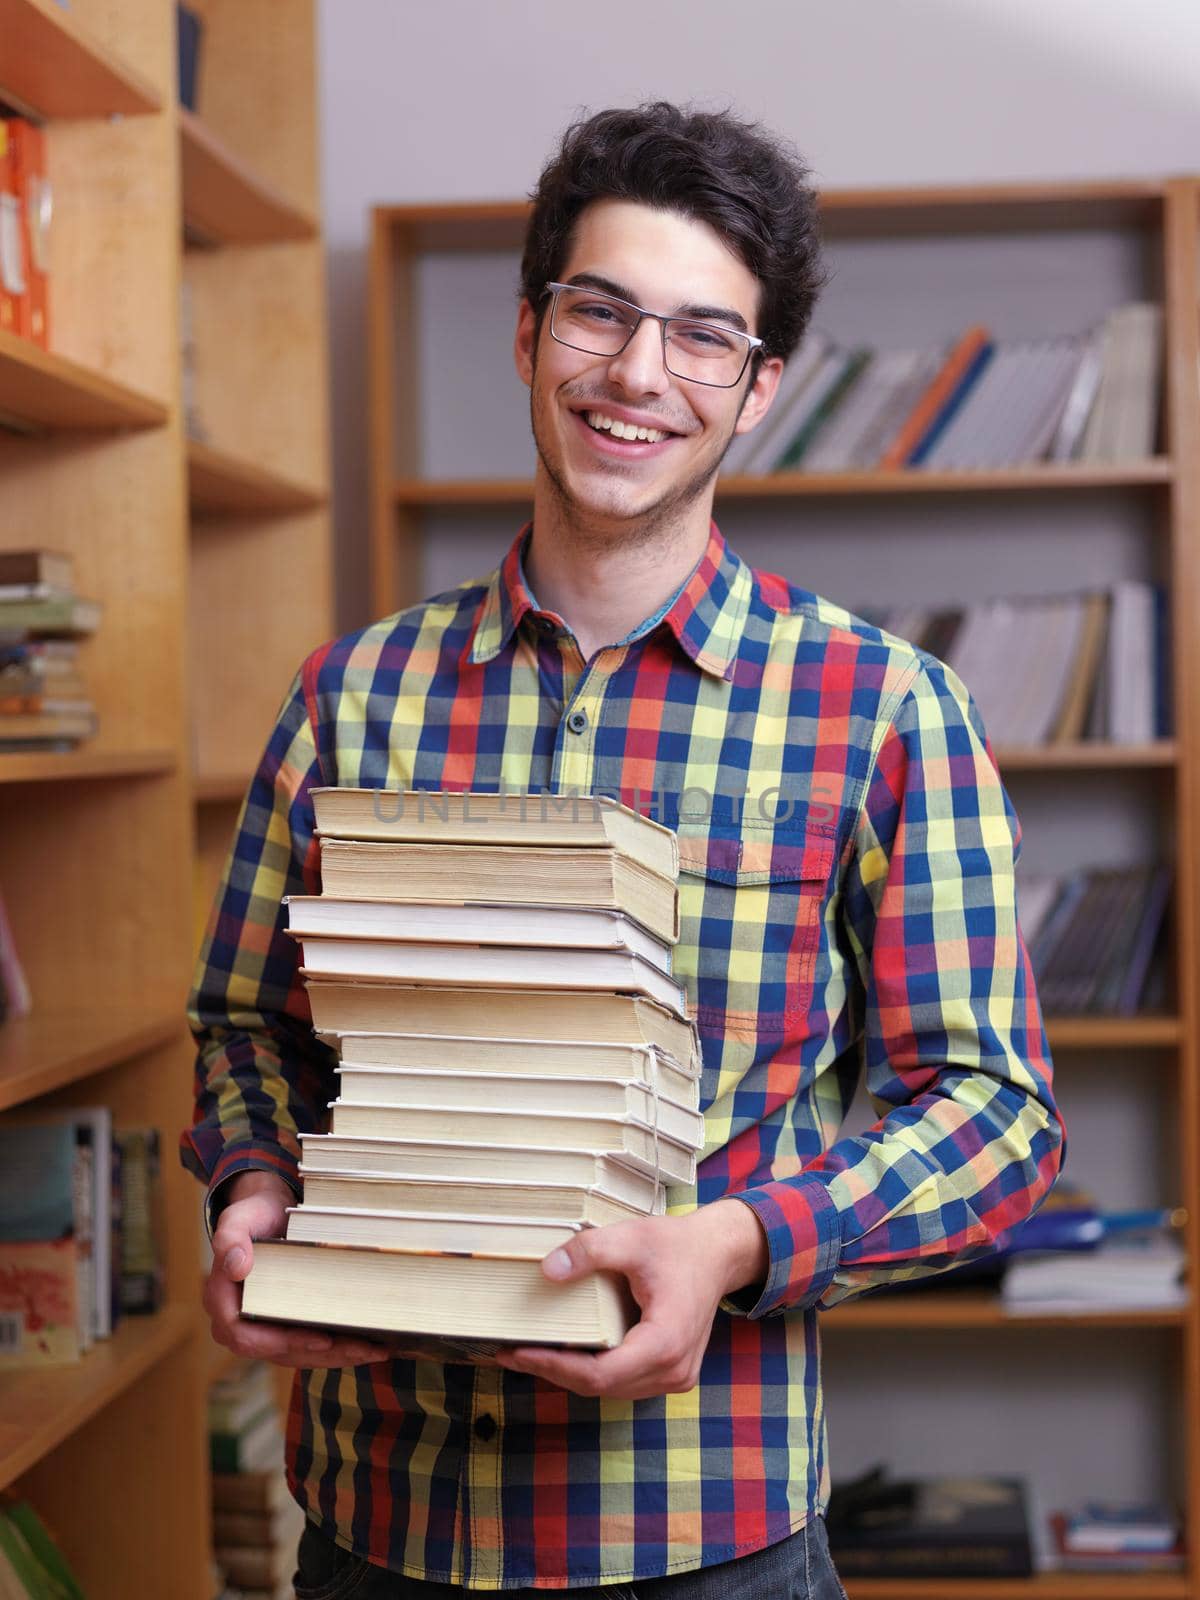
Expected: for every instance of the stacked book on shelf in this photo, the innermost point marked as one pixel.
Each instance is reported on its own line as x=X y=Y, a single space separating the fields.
x=516 y=1063
x=1103 y=1536
x=44 y=700
x=256 y=1523
x=930 y=1528
x=1055 y=669
x=25 y=213
x=32 y=1567
x=974 y=404
x=80 y=1232
x=1093 y=937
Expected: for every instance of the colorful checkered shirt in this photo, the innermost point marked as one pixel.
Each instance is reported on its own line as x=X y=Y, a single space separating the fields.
x=847 y=906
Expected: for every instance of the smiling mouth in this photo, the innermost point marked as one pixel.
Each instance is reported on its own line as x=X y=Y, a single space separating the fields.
x=600 y=422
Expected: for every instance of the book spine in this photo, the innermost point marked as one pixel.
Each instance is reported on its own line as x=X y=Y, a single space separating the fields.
x=954 y=402
x=928 y=407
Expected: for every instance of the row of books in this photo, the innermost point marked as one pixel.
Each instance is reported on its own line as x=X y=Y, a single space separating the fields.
x=1093 y=936
x=976 y=403
x=982 y=1527
x=44 y=700
x=32 y=1567
x=25 y=213
x=510 y=1072
x=256 y=1523
x=80 y=1232
x=1053 y=670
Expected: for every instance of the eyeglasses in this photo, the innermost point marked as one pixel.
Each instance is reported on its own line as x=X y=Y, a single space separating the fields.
x=602 y=325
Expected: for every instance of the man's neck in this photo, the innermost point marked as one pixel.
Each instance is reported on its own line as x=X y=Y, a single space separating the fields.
x=603 y=584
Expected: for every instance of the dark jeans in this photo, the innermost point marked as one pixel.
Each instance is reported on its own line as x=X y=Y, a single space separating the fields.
x=798 y=1568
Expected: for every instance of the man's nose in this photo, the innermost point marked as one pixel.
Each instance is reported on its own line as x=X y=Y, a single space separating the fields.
x=640 y=367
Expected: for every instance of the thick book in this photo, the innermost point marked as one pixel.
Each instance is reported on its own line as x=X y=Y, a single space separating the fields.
x=594 y=1097
x=934 y=1528
x=422 y=817
x=639 y=1144
x=456 y=1161
x=490 y=966
x=54 y=568
x=71 y=616
x=430 y=922
x=553 y=1058
x=46 y=726
x=396 y=1230
x=562 y=875
x=570 y=1016
x=445 y=1296
x=578 y=1204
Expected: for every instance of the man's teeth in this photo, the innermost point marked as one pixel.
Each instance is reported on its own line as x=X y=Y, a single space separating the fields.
x=622 y=430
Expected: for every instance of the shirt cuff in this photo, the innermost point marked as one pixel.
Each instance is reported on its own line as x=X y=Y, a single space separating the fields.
x=247 y=1156
x=804 y=1244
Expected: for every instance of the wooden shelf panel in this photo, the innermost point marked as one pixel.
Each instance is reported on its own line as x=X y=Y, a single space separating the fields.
x=965 y=1309
x=1113 y=1033
x=41 y=391
x=50 y=67
x=1045 y=1586
x=220 y=789
x=42 y=1406
x=1086 y=756
x=790 y=485
x=225 y=201
x=221 y=484
x=59 y=766
x=57 y=1046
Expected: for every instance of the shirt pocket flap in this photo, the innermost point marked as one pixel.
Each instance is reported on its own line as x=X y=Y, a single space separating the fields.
x=804 y=856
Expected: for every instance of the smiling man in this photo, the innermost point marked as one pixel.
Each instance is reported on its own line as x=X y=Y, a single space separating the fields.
x=846 y=907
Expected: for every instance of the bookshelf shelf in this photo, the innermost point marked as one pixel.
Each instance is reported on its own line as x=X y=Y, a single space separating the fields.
x=52 y=1048
x=1114 y=1033
x=1087 y=756
x=220 y=789
x=62 y=766
x=40 y=391
x=969 y=1309
x=50 y=67
x=221 y=484
x=42 y=1406
x=794 y=485
x=225 y=202
x=1045 y=1586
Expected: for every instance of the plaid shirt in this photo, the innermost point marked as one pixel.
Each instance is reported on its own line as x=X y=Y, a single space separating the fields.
x=847 y=905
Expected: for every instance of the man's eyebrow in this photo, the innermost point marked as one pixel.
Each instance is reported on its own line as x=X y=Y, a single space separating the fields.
x=725 y=314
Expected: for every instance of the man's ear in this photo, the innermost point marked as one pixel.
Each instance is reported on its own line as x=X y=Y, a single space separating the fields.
x=525 y=342
x=762 y=392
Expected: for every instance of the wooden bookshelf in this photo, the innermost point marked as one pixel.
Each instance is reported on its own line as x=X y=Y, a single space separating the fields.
x=222 y=484
x=66 y=766
x=42 y=391
x=225 y=201
x=419 y=502
x=51 y=66
x=55 y=1047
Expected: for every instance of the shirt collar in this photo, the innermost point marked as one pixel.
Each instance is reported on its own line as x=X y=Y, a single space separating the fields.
x=706 y=619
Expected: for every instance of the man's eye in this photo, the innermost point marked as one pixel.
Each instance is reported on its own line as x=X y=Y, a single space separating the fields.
x=594 y=311
x=697 y=336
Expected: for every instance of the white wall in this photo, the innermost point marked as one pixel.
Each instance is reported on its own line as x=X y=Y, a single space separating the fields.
x=463 y=99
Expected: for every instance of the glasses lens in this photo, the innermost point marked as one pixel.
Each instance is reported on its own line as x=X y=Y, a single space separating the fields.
x=589 y=320
x=705 y=353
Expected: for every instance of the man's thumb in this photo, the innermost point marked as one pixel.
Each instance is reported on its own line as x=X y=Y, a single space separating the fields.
x=572 y=1260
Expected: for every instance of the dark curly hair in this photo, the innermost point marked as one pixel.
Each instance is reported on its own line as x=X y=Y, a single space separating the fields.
x=748 y=185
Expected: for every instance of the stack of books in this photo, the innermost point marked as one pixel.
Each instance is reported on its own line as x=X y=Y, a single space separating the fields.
x=1094 y=937
x=1123 y=1536
x=516 y=1064
x=1055 y=669
x=972 y=404
x=255 y=1522
x=930 y=1528
x=44 y=701
x=32 y=1567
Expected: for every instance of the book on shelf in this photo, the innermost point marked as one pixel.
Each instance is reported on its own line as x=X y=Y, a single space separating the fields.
x=241 y=1397
x=473 y=818
x=747 y=451
x=51 y=571
x=484 y=1165
x=1123 y=424
x=55 y=616
x=44 y=701
x=557 y=875
x=478 y=1299
x=47 y=1285
x=1118 y=1536
x=142 y=1279
x=584 y=1017
x=28 y=142
x=829 y=391
x=935 y=1528
x=579 y=1058
x=15 y=998
x=265 y=1493
x=32 y=1566
x=1132 y=1271
x=490 y=966
x=1094 y=936
x=533 y=926
x=945 y=391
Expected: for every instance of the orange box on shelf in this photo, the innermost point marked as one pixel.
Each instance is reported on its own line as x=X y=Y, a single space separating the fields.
x=34 y=195
x=13 y=278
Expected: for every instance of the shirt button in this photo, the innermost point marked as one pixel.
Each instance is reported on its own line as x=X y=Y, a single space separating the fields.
x=485 y=1426
x=577 y=721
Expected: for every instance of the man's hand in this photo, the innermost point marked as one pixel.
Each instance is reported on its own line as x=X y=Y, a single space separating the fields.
x=257 y=1209
x=678 y=1269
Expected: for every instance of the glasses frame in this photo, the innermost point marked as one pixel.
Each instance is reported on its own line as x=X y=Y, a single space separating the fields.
x=752 y=342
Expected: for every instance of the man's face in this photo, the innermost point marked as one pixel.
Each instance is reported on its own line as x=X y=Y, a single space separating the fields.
x=676 y=266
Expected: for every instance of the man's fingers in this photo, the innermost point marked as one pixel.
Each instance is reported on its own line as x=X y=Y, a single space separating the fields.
x=616 y=1248
x=639 y=1366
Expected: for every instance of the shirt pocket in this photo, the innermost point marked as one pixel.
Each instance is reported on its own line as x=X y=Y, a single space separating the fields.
x=751 y=908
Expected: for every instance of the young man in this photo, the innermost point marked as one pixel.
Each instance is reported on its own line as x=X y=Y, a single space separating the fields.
x=846 y=898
